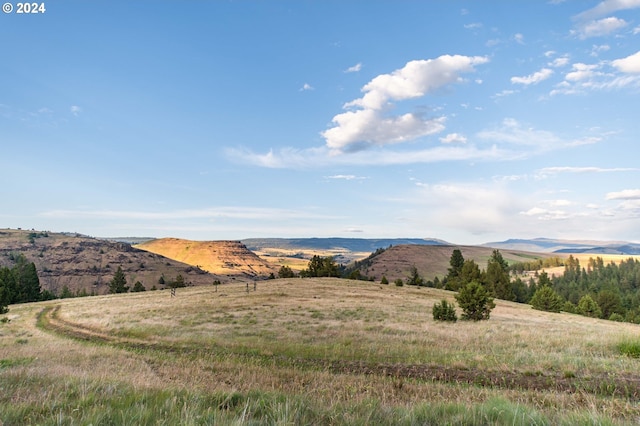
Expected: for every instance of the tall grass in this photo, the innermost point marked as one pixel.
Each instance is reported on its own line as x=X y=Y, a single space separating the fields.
x=76 y=402
x=313 y=351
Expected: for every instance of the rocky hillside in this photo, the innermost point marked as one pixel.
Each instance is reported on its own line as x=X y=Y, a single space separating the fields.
x=80 y=262
x=230 y=258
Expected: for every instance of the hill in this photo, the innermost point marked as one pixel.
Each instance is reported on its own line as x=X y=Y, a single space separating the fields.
x=230 y=258
x=84 y=263
x=432 y=261
x=309 y=351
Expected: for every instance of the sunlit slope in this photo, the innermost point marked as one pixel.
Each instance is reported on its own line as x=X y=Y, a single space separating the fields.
x=218 y=257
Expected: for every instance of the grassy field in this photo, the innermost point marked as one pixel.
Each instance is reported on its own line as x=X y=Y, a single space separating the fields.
x=309 y=351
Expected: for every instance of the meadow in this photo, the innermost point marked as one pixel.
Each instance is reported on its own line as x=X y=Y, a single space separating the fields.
x=309 y=351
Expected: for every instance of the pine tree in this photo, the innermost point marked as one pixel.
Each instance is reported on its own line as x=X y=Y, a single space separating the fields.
x=497 y=277
x=119 y=282
x=546 y=299
x=475 y=302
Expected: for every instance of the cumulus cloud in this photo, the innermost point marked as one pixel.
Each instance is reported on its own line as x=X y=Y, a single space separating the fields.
x=367 y=122
x=306 y=87
x=75 y=110
x=534 y=78
x=630 y=64
x=357 y=67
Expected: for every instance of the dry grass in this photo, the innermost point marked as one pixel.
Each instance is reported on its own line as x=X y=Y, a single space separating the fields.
x=336 y=342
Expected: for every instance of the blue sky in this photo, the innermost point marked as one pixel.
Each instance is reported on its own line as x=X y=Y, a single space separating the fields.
x=210 y=120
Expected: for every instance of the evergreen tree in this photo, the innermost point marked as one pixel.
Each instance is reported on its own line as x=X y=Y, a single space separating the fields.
x=414 y=277
x=138 y=287
x=321 y=267
x=609 y=302
x=456 y=263
x=475 y=302
x=119 y=283
x=588 y=307
x=546 y=299
x=497 y=277
x=8 y=288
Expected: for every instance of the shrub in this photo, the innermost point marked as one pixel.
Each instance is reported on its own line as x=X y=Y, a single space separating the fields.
x=384 y=280
x=399 y=282
x=475 y=302
x=616 y=317
x=444 y=311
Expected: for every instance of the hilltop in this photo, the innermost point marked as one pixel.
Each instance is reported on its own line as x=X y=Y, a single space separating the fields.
x=81 y=263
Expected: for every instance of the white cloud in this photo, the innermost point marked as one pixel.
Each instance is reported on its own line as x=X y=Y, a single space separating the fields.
x=291 y=158
x=614 y=75
x=534 y=78
x=473 y=26
x=552 y=171
x=212 y=213
x=370 y=125
x=597 y=49
x=559 y=62
x=306 y=87
x=75 y=110
x=346 y=177
x=630 y=64
x=519 y=38
x=600 y=28
x=454 y=138
x=472 y=207
x=607 y=7
x=582 y=72
x=512 y=132
x=559 y=203
x=357 y=67
x=627 y=194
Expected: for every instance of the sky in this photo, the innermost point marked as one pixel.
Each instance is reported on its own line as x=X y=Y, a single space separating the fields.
x=466 y=121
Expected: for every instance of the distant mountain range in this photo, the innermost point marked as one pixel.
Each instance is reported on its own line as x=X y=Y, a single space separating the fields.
x=367 y=245
x=549 y=245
